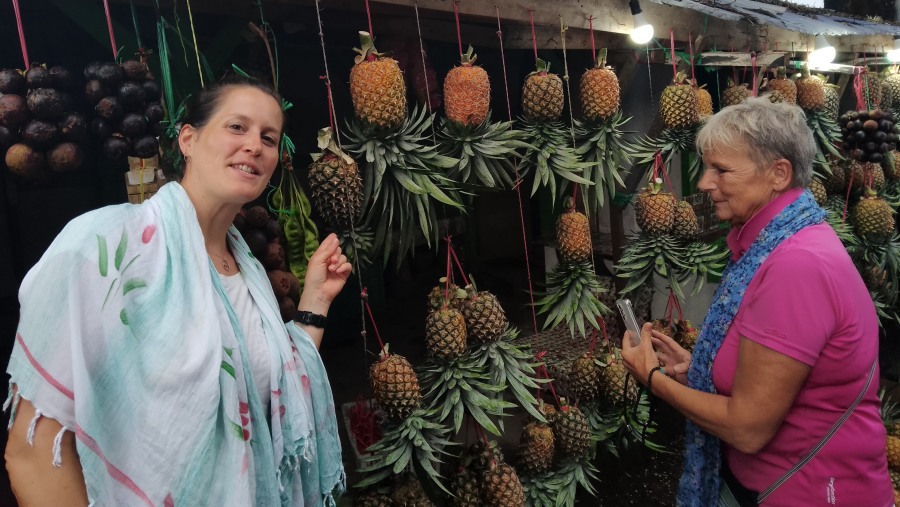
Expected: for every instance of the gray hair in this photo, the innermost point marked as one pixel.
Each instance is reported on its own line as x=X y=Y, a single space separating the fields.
x=770 y=131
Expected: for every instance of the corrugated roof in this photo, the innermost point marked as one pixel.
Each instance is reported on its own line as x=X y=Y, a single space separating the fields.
x=776 y=15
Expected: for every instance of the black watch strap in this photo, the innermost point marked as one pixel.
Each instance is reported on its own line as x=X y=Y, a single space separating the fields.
x=310 y=319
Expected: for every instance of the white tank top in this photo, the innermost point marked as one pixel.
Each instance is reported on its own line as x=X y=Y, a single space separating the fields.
x=251 y=325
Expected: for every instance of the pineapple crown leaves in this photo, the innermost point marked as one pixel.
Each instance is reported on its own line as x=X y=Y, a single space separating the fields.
x=553 y=157
x=781 y=73
x=366 y=50
x=570 y=297
x=541 y=68
x=326 y=142
x=655 y=186
x=607 y=149
x=558 y=485
x=485 y=152
x=680 y=78
x=600 y=61
x=468 y=58
x=648 y=255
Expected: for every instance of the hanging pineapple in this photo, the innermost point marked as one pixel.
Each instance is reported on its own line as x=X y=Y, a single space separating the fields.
x=686 y=335
x=613 y=378
x=536 y=448
x=832 y=101
x=599 y=90
x=818 y=191
x=571 y=430
x=783 y=85
x=467 y=92
x=811 y=94
x=584 y=377
x=501 y=486
x=573 y=234
x=335 y=184
x=485 y=318
x=655 y=209
x=867 y=174
x=377 y=87
x=684 y=225
x=734 y=93
x=810 y=91
x=873 y=217
x=678 y=104
x=395 y=385
x=890 y=86
x=542 y=95
x=703 y=100
x=445 y=333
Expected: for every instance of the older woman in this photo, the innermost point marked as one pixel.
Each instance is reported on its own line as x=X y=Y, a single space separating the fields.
x=151 y=364
x=780 y=393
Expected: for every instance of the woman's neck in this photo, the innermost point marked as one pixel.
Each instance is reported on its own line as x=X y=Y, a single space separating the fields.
x=214 y=217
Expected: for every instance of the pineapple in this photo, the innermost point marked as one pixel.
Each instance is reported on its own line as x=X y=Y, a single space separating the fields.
x=893 y=452
x=584 y=377
x=836 y=182
x=661 y=326
x=483 y=455
x=678 y=104
x=890 y=85
x=466 y=489
x=867 y=174
x=445 y=333
x=409 y=493
x=895 y=481
x=335 y=183
x=704 y=102
x=774 y=96
x=467 y=92
x=536 y=448
x=573 y=234
x=872 y=89
x=832 y=101
x=654 y=209
x=893 y=170
x=685 y=224
x=377 y=87
x=734 y=94
x=612 y=381
x=571 y=430
x=873 y=216
x=810 y=92
x=501 y=487
x=784 y=85
x=542 y=95
x=599 y=91
x=395 y=385
x=373 y=499
x=485 y=318
x=818 y=191
x=437 y=298
x=686 y=335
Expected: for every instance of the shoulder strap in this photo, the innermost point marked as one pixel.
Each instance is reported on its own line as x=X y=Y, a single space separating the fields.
x=815 y=450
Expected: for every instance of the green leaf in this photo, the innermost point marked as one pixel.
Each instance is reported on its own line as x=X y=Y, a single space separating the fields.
x=120 y=250
x=123 y=317
x=134 y=283
x=229 y=370
x=104 y=255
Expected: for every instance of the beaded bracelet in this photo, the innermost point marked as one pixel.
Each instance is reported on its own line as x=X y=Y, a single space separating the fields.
x=650 y=378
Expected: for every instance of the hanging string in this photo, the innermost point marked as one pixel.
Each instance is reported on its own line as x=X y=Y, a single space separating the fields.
x=448 y=276
x=672 y=49
x=365 y=298
x=562 y=33
x=755 y=91
x=591 y=28
x=458 y=33
x=332 y=115
x=369 y=16
x=194 y=37
x=533 y=36
x=112 y=36
x=650 y=78
x=858 y=89
x=137 y=30
x=21 y=34
x=593 y=340
x=424 y=71
x=518 y=180
x=455 y=258
x=542 y=370
x=691 y=49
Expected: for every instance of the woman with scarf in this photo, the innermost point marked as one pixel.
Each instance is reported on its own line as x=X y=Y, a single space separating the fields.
x=780 y=393
x=151 y=364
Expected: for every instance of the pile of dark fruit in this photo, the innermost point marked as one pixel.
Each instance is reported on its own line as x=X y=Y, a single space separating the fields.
x=39 y=131
x=266 y=240
x=868 y=135
x=127 y=109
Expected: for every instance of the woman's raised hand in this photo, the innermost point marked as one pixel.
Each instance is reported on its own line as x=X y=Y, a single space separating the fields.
x=674 y=358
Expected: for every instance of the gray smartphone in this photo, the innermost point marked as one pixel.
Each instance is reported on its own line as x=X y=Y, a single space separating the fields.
x=630 y=320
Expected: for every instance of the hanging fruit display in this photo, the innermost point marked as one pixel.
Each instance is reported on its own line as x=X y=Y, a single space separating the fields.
x=40 y=133
x=868 y=135
x=294 y=216
x=811 y=97
x=734 y=93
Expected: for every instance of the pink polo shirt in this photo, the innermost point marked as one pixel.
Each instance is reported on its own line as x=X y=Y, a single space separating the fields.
x=808 y=302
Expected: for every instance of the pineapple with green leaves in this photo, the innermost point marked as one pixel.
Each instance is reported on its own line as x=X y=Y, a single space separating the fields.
x=467 y=92
x=678 y=104
x=542 y=95
x=704 y=101
x=485 y=318
x=867 y=174
x=335 y=184
x=466 y=489
x=613 y=380
x=409 y=493
x=686 y=334
x=573 y=234
x=571 y=430
x=599 y=89
x=501 y=486
x=832 y=101
x=818 y=191
x=685 y=225
x=655 y=209
x=536 y=448
x=892 y=170
x=890 y=86
x=890 y=417
x=584 y=377
x=395 y=385
x=439 y=294
x=810 y=91
x=836 y=182
x=445 y=333
x=873 y=217
x=377 y=88
x=734 y=93
x=783 y=85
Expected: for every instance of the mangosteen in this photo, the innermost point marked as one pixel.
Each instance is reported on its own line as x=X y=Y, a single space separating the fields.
x=94 y=91
x=239 y=223
x=257 y=217
x=295 y=286
x=40 y=134
x=133 y=125
x=151 y=89
x=876 y=157
x=61 y=77
x=72 y=126
x=92 y=70
x=859 y=136
x=111 y=75
x=880 y=136
x=870 y=126
x=64 y=157
x=885 y=125
x=281 y=284
x=109 y=108
x=273 y=256
x=288 y=308
x=131 y=96
x=8 y=137
x=26 y=162
x=146 y=146
x=870 y=146
x=38 y=77
x=157 y=129
x=272 y=230
x=134 y=70
x=12 y=81
x=154 y=112
x=116 y=147
x=875 y=114
x=101 y=129
x=861 y=115
x=46 y=103
x=884 y=148
x=13 y=111
x=256 y=240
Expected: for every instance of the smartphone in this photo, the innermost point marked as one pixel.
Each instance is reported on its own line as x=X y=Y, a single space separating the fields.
x=630 y=321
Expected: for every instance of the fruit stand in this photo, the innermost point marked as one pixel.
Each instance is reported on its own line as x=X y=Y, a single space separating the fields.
x=498 y=176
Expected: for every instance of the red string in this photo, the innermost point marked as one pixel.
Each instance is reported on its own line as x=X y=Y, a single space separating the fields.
x=533 y=36
x=330 y=102
x=691 y=48
x=21 y=34
x=858 y=89
x=112 y=37
x=369 y=15
x=540 y=358
x=591 y=28
x=449 y=274
x=755 y=80
x=365 y=297
x=659 y=167
x=657 y=164
x=574 y=195
x=672 y=49
x=847 y=198
x=543 y=369
x=458 y=33
x=518 y=179
x=458 y=264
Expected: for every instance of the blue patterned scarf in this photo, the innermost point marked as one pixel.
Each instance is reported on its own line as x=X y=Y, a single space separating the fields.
x=699 y=485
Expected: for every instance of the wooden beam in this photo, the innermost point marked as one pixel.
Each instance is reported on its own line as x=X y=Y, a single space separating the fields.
x=724 y=59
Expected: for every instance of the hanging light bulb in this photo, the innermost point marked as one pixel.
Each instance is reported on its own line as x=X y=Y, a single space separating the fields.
x=894 y=54
x=642 y=31
x=822 y=54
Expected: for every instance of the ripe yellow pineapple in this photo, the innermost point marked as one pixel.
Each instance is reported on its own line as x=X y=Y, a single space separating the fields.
x=335 y=184
x=542 y=95
x=818 y=191
x=810 y=92
x=893 y=170
x=485 y=318
x=501 y=487
x=891 y=86
x=467 y=92
x=377 y=87
x=873 y=216
x=893 y=452
x=663 y=327
x=704 y=102
x=678 y=104
x=584 y=377
x=873 y=88
x=685 y=225
x=599 y=90
x=612 y=381
x=734 y=93
x=832 y=101
x=655 y=209
x=867 y=174
x=784 y=85
x=573 y=234
x=395 y=385
x=536 y=448
x=445 y=333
